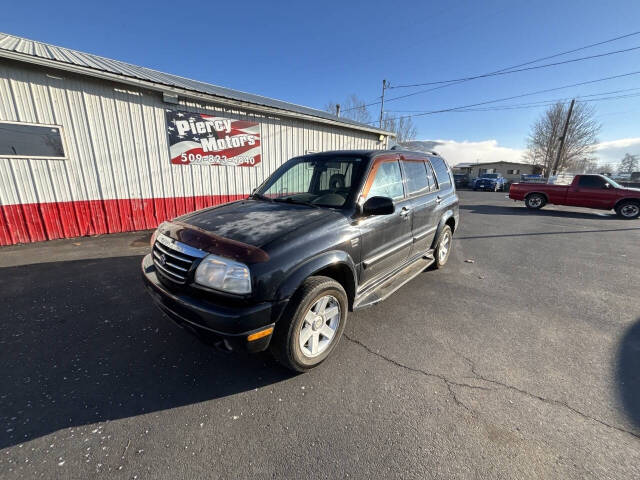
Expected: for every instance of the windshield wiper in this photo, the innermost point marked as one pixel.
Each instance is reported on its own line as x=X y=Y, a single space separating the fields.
x=297 y=202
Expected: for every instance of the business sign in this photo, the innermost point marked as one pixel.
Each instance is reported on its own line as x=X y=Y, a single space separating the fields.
x=199 y=139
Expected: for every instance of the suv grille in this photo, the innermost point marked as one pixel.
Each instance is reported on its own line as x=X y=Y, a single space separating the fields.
x=172 y=264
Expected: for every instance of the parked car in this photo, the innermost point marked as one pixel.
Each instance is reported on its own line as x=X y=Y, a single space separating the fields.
x=461 y=180
x=591 y=191
x=490 y=181
x=532 y=178
x=323 y=235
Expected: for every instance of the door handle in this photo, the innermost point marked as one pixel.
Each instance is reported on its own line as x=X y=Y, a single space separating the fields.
x=404 y=213
x=438 y=199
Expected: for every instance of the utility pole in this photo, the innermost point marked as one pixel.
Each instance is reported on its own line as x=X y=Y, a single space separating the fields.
x=384 y=86
x=564 y=134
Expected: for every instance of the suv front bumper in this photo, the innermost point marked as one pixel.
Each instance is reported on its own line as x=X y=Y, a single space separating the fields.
x=235 y=325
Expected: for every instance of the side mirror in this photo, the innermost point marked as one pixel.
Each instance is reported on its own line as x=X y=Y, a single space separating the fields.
x=378 y=206
x=606 y=186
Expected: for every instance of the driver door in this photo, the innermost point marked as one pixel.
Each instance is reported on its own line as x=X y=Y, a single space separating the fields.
x=386 y=239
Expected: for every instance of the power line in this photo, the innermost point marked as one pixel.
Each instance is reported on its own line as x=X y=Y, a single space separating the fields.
x=507 y=72
x=549 y=103
x=539 y=103
x=527 y=63
x=431 y=112
x=503 y=69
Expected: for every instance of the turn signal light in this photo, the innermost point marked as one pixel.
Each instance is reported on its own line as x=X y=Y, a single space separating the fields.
x=260 y=334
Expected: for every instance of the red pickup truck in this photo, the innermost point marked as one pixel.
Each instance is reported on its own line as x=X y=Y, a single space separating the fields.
x=591 y=191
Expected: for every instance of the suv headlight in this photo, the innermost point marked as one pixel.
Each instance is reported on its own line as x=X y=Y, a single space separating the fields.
x=223 y=274
x=155 y=234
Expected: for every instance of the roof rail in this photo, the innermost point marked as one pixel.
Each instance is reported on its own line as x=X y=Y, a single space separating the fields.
x=408 y=149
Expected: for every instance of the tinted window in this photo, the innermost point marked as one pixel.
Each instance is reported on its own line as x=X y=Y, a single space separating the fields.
x=591 y=181
x=416 y=174
x=387 y=182
x=18 y=139
x=442 y=172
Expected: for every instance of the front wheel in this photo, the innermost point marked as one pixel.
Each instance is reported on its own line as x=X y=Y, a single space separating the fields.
x=312 y=324
x=443 y=247
x=628 y=209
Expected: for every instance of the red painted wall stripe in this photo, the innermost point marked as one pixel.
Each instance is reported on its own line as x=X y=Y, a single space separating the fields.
x=35 y=222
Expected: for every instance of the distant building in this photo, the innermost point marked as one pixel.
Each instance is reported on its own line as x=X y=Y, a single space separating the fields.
x=509 y=170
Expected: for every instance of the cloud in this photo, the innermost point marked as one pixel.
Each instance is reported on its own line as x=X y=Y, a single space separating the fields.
x=490 y=151
x=613 y=151
x=461 y=152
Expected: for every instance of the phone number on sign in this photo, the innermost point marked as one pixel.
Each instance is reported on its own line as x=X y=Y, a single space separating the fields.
x=192 y=158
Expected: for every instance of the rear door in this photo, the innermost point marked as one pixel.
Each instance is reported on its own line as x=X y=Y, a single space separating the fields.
x=386 y=239
x=421 y=189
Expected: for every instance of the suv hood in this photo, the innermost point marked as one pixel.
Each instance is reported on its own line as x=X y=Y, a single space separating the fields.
x=256 y=222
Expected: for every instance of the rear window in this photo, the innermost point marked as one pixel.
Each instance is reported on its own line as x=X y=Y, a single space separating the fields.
x=442 y=172
x=416 y=174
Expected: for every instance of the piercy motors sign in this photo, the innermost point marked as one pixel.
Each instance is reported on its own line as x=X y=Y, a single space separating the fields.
x=199 y=139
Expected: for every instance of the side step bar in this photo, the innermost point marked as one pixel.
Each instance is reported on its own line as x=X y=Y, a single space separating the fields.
x=390 y=285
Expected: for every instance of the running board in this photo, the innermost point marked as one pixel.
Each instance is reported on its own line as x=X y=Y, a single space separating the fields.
x=393 y=283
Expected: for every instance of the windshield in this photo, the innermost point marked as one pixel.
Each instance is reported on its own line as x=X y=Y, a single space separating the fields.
x=613 y=183
x=489 y=175
x=319 y=181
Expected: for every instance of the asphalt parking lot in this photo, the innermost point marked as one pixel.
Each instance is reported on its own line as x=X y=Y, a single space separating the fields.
x=522 y=364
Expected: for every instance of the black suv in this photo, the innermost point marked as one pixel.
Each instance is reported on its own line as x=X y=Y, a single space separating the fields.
x=325 y=234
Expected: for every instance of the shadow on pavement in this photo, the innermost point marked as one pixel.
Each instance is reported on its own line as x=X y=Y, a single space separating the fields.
x=521 y=210
x=628 y=373
x=81 y=342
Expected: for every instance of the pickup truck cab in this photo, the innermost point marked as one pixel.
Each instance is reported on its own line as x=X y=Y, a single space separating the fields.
x=324 y=234
x=489 y=181
x=591 y=191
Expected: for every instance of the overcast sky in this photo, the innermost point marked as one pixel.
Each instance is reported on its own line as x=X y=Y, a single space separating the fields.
x=313 y=52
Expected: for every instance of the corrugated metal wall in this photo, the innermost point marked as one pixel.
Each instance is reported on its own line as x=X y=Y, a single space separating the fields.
x=118 y=176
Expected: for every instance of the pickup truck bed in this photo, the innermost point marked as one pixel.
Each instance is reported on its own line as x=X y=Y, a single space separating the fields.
x=590 y=191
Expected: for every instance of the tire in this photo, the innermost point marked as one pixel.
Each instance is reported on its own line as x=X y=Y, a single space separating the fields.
x=286 y=345
x=535 y=201
x=628 y=209
x=443 y=247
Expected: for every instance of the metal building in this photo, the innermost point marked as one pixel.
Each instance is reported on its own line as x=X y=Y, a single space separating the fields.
x=90 y=145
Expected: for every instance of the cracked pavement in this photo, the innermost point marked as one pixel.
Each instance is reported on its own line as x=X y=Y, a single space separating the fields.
x=523 y=364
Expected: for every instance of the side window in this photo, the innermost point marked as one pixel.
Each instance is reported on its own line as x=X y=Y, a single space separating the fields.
x=591 y=181
x=442 y=172
x=387 y=182
x=433 y=184
x=416 y=176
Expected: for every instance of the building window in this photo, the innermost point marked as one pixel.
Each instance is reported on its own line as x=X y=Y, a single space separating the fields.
x=513 y=172
x=30 y=140
x=487 y=170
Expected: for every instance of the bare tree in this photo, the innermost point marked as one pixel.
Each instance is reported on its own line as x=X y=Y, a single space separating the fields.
x=353 y=108
x=544 y=140
x=629 y=164
x=403 y=127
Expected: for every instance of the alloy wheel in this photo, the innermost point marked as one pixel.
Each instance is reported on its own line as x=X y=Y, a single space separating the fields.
x=445 y=243
x=630 y=210
x=319 y=326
